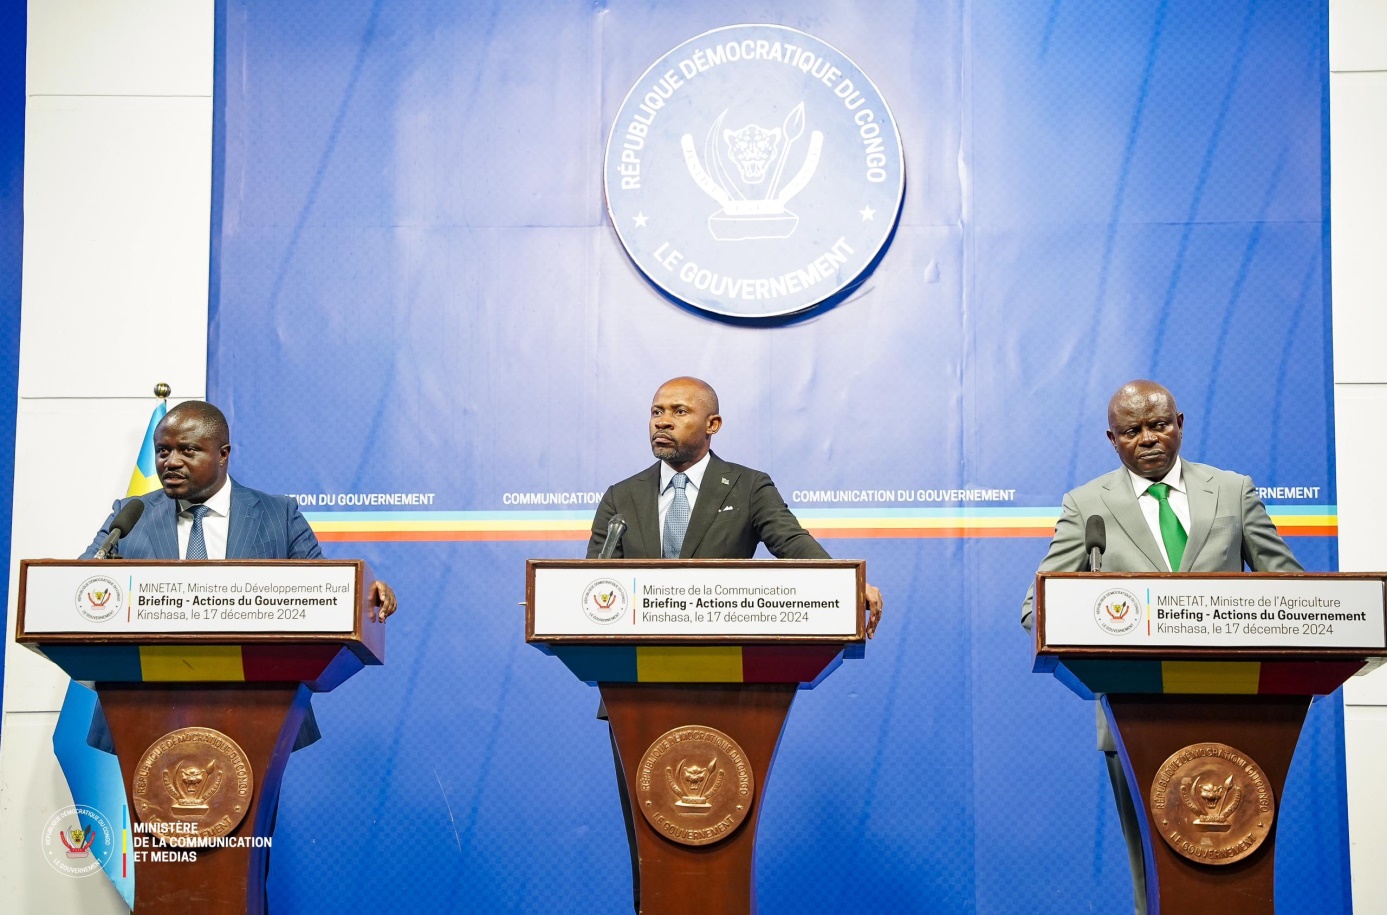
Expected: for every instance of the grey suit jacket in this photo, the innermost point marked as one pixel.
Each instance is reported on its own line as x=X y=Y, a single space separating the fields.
x=262 y=526
x=1229 y=529
x=736 y=509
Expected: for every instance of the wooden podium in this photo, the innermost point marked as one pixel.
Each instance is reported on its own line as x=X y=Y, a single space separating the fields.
x=697 y=662
x=1206 y=681
x=204 y=671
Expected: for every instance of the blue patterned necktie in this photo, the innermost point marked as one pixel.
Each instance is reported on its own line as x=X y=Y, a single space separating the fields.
x=676 y=519
x=197 y=544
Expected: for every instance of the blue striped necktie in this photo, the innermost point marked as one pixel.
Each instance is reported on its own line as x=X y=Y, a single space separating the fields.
x=676 y=519
x=197 y=544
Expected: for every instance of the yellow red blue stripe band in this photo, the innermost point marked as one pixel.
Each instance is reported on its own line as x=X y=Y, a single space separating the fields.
x=889 y=523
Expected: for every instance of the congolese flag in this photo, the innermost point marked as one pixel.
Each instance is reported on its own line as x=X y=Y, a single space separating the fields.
x=93 y=775
x=144 y=479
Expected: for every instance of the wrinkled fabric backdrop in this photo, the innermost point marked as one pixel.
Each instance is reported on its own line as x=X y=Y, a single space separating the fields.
x=416 y=289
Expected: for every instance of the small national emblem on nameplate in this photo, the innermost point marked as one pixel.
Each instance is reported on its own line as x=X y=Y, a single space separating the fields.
x=192 y=784
x=695 y=785
x=1212 y=804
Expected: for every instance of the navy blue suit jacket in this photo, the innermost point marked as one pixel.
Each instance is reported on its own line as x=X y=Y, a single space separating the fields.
x=262 y=526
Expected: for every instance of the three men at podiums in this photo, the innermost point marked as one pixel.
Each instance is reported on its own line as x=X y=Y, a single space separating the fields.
x=1160 y=514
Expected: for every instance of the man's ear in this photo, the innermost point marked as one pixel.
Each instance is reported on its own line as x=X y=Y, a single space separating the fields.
x=714 y=423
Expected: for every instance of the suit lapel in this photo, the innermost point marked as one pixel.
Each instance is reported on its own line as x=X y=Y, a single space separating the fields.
x=718 y=480
x=243 y=524
x=1202 y=493
x=163 y=529
x=1122 y=502
x=646 y=518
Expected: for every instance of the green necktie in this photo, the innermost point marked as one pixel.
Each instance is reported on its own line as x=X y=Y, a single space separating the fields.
x=1172 y=531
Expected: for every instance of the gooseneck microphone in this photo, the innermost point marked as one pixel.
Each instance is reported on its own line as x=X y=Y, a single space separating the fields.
x=125 y=521
x=616 y=529
x=1095 y=542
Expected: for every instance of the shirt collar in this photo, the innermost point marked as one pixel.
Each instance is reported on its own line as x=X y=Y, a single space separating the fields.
x=1175 y=479
x=219 y=503
x=694 y=473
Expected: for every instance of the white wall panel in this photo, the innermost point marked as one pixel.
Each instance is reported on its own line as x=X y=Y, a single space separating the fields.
x=1357 y=35
x=58 y=507
x=117 y=204
x=1361 y=440
x=1358 y=191
x=1365 y=745
x=120 y=47
x=32 y=791
x=1360 y=447
x=1358 y=198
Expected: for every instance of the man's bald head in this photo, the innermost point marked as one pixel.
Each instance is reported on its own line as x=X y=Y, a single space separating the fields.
x=704 y=390
x=683 y=418
x=1134 y=394
x=1145 y=428
x=212 y=420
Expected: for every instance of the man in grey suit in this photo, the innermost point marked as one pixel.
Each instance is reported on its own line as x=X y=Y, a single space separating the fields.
x=691 y=504
x=1161 y=514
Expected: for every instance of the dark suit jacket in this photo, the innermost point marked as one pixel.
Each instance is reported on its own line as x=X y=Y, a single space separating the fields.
x=736 y=509
x=262 y=526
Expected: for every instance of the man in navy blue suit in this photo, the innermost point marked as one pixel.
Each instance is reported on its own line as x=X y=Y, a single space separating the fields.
x=201 y=513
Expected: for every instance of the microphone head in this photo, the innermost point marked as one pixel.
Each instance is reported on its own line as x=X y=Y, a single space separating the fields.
x=1095 y=534
x=127 y=516
x=618 y=523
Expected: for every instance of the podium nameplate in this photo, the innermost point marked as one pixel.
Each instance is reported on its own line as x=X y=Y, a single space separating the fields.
x=189 y=598
x=1244 y=611
x=732 y=600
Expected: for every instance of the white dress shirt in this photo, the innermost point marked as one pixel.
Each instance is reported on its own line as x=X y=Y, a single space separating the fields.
x=695 y=474
x=1151 y=509
x=216 y=524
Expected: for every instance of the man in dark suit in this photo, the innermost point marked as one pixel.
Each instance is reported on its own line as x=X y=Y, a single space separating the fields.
x=201 y=513
x=1160 y=514
x=691 y=504
x=721 y=510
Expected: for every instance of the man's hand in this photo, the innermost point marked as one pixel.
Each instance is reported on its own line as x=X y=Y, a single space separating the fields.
x=384 y=598
x=874 y=604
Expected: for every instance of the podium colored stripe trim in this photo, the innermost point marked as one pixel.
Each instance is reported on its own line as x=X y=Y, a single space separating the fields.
x=697 y=663
x=691 y=664
x=825 y=523
x=180 y=663
x=1225 y=678
x=193 y=663
x=1265 y=678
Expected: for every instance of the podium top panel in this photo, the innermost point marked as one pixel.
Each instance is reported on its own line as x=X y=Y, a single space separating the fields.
x=104 y=602
x=707 y=601
x=1225 y=615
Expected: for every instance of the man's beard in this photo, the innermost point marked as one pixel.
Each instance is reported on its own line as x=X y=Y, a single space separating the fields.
x=673 y=454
